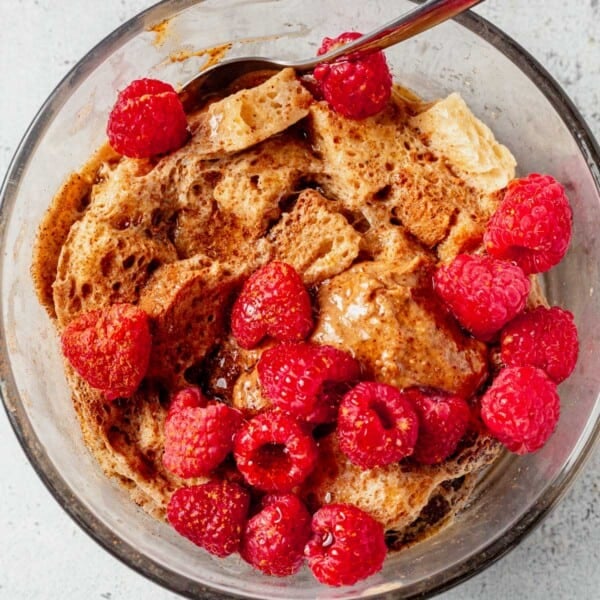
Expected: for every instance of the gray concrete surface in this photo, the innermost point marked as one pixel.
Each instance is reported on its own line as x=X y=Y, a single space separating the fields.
x=43 y=554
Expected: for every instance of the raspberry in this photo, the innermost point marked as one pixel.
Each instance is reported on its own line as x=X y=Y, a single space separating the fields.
x=521 y=408
x=147 y=119
x=347 y=545
x=377 y=425
x=273 y=302
x=483 y=293
x=273 y=540
x=189 y=397
x=532 y=225
x=109 y=348
x=356 y=86
x=198 y=434
x=273 y=453
x=211 y=515
x=443 y=421
x=306 y=380
x=545 y=338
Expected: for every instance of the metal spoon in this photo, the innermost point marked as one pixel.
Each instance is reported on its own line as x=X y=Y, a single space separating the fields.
x=419 y=19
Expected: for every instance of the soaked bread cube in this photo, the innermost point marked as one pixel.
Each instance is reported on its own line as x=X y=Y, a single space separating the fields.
x=252 y=115
x=315 y=239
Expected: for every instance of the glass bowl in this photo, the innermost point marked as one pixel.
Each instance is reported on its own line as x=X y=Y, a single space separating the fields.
x=172 y=41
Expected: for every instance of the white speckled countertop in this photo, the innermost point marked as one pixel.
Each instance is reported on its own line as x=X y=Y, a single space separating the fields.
x=43 y=553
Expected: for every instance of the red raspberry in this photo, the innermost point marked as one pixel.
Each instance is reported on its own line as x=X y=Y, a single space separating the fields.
x=211 y=515
x=356 y=86
x=443 y=421
x=273 y=302
x=198 y=434
x=347 y=545
x=545 y=338
x=521 y=408
x=377 y=425
x=483 y=293
x=110 y=348
x=189 y=397
x=147 y=119
x=307 y=380
x=532 y=225
x=273 y=453
x=273 y=540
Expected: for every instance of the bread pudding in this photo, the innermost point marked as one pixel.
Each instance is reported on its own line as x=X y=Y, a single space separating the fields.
x=363 y=210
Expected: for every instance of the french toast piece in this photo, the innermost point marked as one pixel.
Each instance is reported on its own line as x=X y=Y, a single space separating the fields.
x=381 y=161
x=253 y=184
x=453 y=133
x=389 y=242
x=359 y=157
x=122 y=236
x=451 y=130
x=68 y=206
x=385 y=161
x=99 y=266
x=314 y=238
x=224 y=206
x=445 y=502
x=250 y=116
x=387 y=316
x=187 y=302
x=133 y=194
x=395 y=494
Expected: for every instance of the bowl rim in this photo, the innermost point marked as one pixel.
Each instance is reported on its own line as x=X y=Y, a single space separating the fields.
x=30 y=443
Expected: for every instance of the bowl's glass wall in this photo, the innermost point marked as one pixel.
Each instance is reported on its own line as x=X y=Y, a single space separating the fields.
x=450 y=58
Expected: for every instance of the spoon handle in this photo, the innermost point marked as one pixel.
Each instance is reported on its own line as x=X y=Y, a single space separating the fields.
x=413 y=22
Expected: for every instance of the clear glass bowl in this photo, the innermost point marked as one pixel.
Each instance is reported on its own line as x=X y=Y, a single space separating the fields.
x=502 y=84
